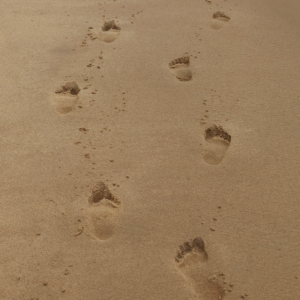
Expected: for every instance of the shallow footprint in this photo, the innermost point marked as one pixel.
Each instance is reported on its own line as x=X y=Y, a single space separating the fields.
x=103 y=212
x=180 y=68
x=192 y=260
x=218 y=19
x=110 y=32
x=66 y=97
x=217 y=143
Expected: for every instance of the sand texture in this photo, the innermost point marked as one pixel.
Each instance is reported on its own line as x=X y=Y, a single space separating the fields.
x=150 y=150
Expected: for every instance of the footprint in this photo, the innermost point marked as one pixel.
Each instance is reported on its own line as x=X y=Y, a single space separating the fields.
x=180 y=68
x=192 y=260
x=110 y=32
x=103 y=212
x=218 y=19
x=66 y=97
x=217 y=143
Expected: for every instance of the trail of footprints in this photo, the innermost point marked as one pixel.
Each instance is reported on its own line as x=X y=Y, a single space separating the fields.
x=104 y=209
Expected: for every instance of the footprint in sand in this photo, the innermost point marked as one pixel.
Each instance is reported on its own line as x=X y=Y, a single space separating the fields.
x=192 y=260
x=217 y=143
x=103 y=212
x=180 y=68
x=110 y=32
x=66 y=97
x=218 y=19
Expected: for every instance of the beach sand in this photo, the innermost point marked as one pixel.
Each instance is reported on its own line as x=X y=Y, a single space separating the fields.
x=150 y=150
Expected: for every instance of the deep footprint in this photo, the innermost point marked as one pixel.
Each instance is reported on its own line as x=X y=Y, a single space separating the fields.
x=110 y=32
x=192 y=260
x=217 y=143
x=218 y=19
x=66 y=97
x=103 y=212
x=180 y=68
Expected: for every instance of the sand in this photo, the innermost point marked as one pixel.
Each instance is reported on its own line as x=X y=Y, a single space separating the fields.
x=150 y=150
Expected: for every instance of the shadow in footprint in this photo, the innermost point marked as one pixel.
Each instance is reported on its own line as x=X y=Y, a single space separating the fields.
x=218 y=19
x=217 y=143
x=180 y=68
x=66 y=97
x=110 y=32
x=192 y=260
x=103 y=212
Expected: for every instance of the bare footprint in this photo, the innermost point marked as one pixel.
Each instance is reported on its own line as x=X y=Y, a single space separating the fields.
x=110 y=32
x=192 y=260
x=180 y=68
x=103 y=212
x=217 y=143
x=218 y=20
x=66 y=97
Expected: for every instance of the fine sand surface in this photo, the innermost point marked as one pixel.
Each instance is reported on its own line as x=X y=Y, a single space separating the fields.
x=150 y=150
